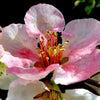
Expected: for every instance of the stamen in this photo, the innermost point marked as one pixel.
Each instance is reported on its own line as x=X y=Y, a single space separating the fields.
x=66 y=42
x=42 y=38
x=47 y=61
x=49 y=95
x=63 y=60
x=52 y=52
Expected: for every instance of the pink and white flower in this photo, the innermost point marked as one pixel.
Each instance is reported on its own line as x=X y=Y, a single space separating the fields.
x=76 y=59
x=27 y=90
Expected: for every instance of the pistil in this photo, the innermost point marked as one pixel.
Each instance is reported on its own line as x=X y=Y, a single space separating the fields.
x=51 y=52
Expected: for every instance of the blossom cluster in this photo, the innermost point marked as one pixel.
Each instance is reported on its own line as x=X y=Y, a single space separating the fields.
x=30 y=52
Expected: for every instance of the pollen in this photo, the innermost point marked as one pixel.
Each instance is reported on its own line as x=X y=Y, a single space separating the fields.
x=50 y=50
x=66 y=42
x=3 y=68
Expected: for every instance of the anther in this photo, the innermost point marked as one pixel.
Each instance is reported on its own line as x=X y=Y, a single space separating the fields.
x=66 y=42
x=63 y=60
x=42 y=38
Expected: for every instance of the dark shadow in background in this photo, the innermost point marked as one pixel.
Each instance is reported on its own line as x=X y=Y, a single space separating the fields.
x=13 y=11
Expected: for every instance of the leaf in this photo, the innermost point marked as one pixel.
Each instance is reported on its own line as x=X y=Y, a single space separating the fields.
x=77 y=2
x=90 y=5
x=88 y=9
x=98 y=4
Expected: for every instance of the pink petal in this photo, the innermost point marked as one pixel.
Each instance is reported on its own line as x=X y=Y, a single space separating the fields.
x=32 y=73
x=83 y=36
x=17 y=41
x=43 y=17
x=80 y=29
x=79 y=70
x=15 y=61
x=84 y=59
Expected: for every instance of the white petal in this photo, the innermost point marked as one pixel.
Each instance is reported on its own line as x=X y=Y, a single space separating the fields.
x=6 y=80
x=79 y=94
x=24 y=90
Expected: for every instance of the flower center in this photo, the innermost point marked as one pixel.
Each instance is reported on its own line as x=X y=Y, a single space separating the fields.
x=52 y=93
x=49 y=95
x=51 y=51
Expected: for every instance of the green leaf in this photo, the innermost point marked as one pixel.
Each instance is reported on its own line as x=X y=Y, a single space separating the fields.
x=77 y=2
x=90 y=5
x=88 y=9
x=98 y=4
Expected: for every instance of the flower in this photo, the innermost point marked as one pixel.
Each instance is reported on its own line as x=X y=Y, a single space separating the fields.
x=31 y=50
x=83 y=36
x=27 y=90
x=80 y=94
x=24 y=90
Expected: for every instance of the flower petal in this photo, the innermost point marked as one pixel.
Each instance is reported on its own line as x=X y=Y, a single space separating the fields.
x=24 y=90
x=1 y=51
x=5 y=81
x=80 y=70
x=79 y=94
x=13 y=61
x=19 y=49
x=32 y=73
x=83 y=36
x=17 y=41
x=43 y=17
